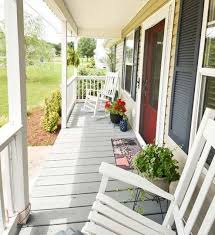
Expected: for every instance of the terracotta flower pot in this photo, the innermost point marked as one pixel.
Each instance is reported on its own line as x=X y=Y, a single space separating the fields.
x=115 y=118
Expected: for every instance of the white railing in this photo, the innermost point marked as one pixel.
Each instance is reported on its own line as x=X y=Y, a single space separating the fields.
x=71 y=94
x=8 y=151
x=77 y=87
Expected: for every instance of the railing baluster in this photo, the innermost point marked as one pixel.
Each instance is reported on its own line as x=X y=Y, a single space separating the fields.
x=94 y=88
x=82 y=88
x=2 y=207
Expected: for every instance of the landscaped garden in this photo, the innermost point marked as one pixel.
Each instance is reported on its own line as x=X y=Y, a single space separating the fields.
x=43 y=77
x=41 y=80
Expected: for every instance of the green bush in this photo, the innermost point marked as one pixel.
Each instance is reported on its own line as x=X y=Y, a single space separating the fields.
x=90 y=63
x=156 y=162
x=87 y=71
x=52 y=111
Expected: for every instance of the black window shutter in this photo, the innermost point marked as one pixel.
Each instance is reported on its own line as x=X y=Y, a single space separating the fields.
x=187 y=51
x=123 y=66
x=135 y=62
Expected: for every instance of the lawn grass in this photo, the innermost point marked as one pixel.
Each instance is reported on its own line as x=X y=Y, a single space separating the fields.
x=41 y=80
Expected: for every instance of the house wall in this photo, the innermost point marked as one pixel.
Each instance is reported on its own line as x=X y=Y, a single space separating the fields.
x=149 y=9
x=179 y=154
x=119 y=60
x=131 y=105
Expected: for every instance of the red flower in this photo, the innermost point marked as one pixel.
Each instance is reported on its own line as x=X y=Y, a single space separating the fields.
x=124 y=110
x=107 y=104
x=116 y=108
x=119 y=101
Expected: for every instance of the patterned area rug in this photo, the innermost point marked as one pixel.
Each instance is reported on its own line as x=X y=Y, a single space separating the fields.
x=124 y=149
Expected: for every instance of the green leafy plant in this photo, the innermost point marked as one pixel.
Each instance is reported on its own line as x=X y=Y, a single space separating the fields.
x=73 y=57
x=85 y=70
x=116 y=107
x=156 y=162
x=52 y=111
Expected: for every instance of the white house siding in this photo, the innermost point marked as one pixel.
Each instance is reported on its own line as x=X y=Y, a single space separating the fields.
x=130 y=103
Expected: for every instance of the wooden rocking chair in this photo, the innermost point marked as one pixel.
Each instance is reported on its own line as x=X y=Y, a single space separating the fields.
x=109 y=217
x=96 y=103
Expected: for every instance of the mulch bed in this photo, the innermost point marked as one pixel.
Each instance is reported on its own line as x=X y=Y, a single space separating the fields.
x=36 y=135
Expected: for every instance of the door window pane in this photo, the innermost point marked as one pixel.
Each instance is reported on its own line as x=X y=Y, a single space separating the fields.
x=156 y=68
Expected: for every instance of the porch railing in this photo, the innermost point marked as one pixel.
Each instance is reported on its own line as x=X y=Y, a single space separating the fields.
x=8 y=153
x=78 y=86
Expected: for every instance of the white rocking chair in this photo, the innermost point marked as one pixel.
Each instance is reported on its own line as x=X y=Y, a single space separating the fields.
x=96 y=103
x=109 y=217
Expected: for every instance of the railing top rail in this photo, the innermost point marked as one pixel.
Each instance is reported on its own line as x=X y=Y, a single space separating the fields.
x=7 y=132
x=91 y=77
x=71 y=80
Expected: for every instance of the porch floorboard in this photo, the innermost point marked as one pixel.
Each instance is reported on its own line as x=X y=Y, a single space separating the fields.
x=67 y=185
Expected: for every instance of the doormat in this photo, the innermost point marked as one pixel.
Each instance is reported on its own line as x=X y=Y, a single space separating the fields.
x=124 y=150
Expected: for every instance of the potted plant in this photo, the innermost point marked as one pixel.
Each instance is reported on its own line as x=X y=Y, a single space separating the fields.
x=116 y=109
x=157 y=165
x=124 y=123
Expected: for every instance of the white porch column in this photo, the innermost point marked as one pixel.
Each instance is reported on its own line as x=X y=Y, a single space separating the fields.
x=75 y=48
x=17 y=104
x=64 y=74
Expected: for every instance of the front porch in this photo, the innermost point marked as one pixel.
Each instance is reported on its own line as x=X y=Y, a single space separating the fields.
x=67 y=186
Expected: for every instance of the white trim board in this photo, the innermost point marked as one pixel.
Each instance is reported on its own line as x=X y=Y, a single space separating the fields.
x=167 y=13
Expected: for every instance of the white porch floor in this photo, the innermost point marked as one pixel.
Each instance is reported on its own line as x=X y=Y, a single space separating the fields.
x=67 y=185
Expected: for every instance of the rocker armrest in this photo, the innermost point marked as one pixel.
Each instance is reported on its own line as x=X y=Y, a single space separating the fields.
x=117 y=173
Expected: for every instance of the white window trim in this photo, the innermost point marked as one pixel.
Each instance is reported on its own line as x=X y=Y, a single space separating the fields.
x=201 y=71
x=128 y=94
x=167 y=13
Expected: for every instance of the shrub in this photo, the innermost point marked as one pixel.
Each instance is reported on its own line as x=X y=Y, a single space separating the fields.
x=156 y=162
x=52 y=111
x=3 y=120
x=86 y=71
x=91 y=63
x=50 y=121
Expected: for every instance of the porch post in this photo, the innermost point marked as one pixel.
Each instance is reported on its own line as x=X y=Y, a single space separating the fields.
x=14 y=27
x=75 y=48
x=64 y=74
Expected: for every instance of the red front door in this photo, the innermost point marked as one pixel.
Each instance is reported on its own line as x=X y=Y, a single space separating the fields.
x=150 y=81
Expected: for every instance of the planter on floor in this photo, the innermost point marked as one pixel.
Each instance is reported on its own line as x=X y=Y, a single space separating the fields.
x=123 y=125
x=115 y=118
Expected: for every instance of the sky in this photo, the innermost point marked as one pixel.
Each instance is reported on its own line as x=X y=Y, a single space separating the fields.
x=51 y=23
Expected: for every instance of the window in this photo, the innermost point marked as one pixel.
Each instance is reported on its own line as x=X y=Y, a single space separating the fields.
x=206 y=68
x=207 y=98
x=128 y=64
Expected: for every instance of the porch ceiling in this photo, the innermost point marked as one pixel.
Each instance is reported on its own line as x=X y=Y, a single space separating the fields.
x=98 y=18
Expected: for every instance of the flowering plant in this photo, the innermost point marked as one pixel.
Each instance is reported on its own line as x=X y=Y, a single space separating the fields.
x=116 y=107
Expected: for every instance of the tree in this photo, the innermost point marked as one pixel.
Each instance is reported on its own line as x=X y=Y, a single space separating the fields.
x=37 y=50
x=73 y=57
x=57 y=49
x=111 y=60
x=86 y=47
